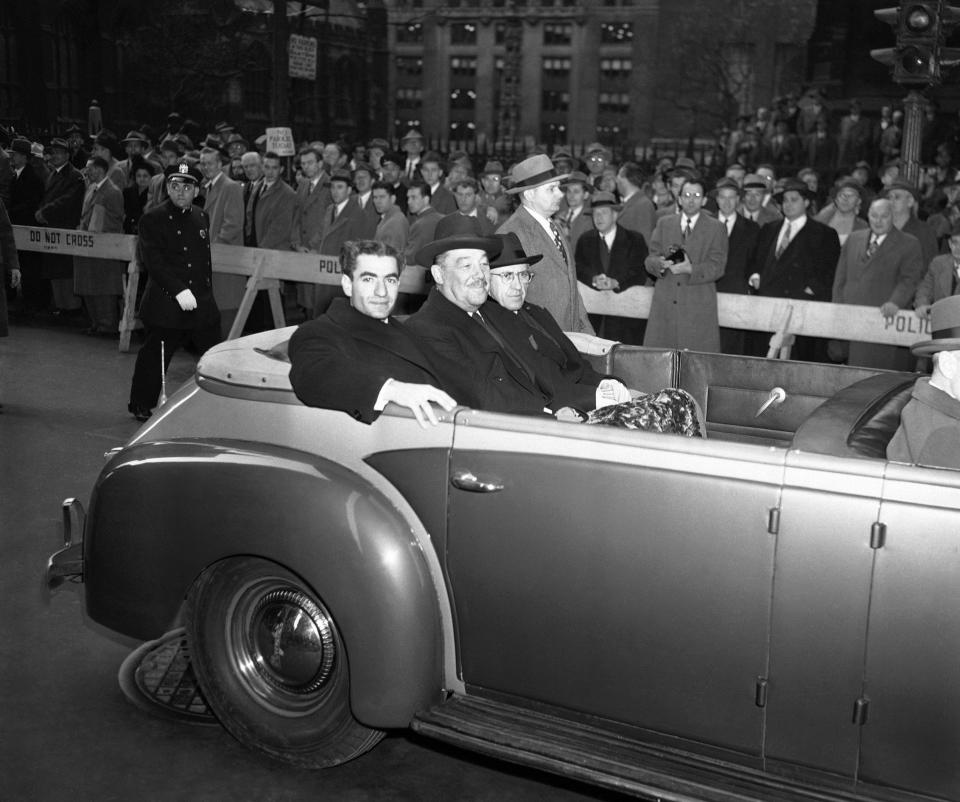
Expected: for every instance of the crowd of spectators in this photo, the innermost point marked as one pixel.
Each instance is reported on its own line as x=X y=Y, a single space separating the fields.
x=782 y=164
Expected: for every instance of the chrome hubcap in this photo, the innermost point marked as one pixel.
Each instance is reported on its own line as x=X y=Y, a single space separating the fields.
x=285 y=646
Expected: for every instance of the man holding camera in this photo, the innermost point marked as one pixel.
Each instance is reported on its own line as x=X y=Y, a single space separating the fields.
x=688 y=253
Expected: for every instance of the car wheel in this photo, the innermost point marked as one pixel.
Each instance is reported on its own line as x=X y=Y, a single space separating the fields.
x=272 y=665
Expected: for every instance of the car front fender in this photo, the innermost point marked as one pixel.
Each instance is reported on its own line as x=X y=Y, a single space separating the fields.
x=161 y=512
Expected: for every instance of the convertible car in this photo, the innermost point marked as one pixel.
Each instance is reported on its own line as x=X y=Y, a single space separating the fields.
x=770 y=613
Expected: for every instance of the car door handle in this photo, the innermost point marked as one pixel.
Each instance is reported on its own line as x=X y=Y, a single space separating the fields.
x=777 y=396
x=469 y=481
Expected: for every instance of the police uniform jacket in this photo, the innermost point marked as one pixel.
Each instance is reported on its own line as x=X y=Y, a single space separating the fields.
x=175 y=247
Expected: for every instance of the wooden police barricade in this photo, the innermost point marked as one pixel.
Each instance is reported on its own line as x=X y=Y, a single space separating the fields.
x=784 y=317
x=265 y=269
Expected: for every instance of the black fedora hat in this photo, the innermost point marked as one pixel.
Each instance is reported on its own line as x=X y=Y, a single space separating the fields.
x=454 y=232
x=794 y=185
x=512 y=253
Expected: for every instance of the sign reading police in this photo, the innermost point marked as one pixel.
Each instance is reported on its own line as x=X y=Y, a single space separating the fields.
x=280 y=141
x=302 y=57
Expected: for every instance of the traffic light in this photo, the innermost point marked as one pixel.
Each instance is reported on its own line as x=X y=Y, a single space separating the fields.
x=922 y=29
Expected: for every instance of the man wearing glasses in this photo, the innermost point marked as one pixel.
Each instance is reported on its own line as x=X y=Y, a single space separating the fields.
x=559 y=366
x=688 y=253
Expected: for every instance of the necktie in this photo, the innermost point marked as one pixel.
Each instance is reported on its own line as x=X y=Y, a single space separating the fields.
x=505 y=347
x=687 y=229
x=604 y=254
x=871 y=247
x=784 y=241
x=250 y=240
x=558 y=242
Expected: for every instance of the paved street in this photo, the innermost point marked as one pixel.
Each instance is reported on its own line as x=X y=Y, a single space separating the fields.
x=66 y=729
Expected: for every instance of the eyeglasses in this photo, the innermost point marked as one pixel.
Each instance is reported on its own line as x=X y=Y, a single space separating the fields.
x=691 y=194
x=524 y=276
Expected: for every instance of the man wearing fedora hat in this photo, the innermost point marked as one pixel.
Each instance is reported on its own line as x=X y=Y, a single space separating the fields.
x=450 y=321
x=796 y=258
x=929 y=432
x=411 y=143
x=610 y=258
x=755 y=189
x=492 y=193
x=136 y=145
x=60 y=207
x=358 y=358
x=537 y=182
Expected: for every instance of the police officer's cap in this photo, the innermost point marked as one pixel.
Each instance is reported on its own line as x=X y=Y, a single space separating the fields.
x=182 y=172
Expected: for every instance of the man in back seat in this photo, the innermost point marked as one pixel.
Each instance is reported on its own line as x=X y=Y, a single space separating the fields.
x=357 y=359
x=929 y=432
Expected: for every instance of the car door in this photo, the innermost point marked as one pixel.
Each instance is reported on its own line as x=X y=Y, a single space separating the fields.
x=820 y=605
x=911 y=737
x=616 y=573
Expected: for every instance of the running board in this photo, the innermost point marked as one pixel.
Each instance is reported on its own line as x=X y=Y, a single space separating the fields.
x=587 y=753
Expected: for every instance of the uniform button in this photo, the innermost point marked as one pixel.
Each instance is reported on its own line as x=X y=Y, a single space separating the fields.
x=189 y=264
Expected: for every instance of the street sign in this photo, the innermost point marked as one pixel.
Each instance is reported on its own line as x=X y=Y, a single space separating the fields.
x=280 y=141
x=302 y=52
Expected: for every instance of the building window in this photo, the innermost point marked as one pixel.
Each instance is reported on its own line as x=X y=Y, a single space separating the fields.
x=464 y=67
x=463 y=33
x=556 y=67
x=463 y=99
x=409 y=97
x=555 y=101
x=616 y=32
x=553 y=133
x=613 y=69
x=557 y=33
x=614 y=102
x=410 y=33
x=64 y=69
x=463 y=129
x=409 y=66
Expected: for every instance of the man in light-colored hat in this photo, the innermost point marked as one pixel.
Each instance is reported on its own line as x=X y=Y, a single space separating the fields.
x=537 y=182
x=755 y=189
x=929 y=432
x=498 y=203
x=412 y=145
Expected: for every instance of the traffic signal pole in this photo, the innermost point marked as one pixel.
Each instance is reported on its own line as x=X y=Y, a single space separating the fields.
x=912 y=133
x=921 y=27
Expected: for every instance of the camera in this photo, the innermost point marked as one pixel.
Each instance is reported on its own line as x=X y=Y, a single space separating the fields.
x=675 y=255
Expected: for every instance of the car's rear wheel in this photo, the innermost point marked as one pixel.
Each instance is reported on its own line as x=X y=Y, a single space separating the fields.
x=272 y=665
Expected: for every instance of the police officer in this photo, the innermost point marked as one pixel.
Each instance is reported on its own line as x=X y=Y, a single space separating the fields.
x=178 y=302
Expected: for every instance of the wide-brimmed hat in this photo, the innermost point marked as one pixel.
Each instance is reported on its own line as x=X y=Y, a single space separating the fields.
x=852 y=183
x=182 y=171
x=944 y=326
x=602 y=200
x=906 y=186
x=363 y=167
x=21 y=145
x=726 y=183
x=237 y=139
x=413 y=133
x=135 y=136
x=512 y=252
x=456 y=231
x=73 y=129
x=394 y=157
x=576 y=177
x=493 y=168
x=793 y=185
x=532 y=173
